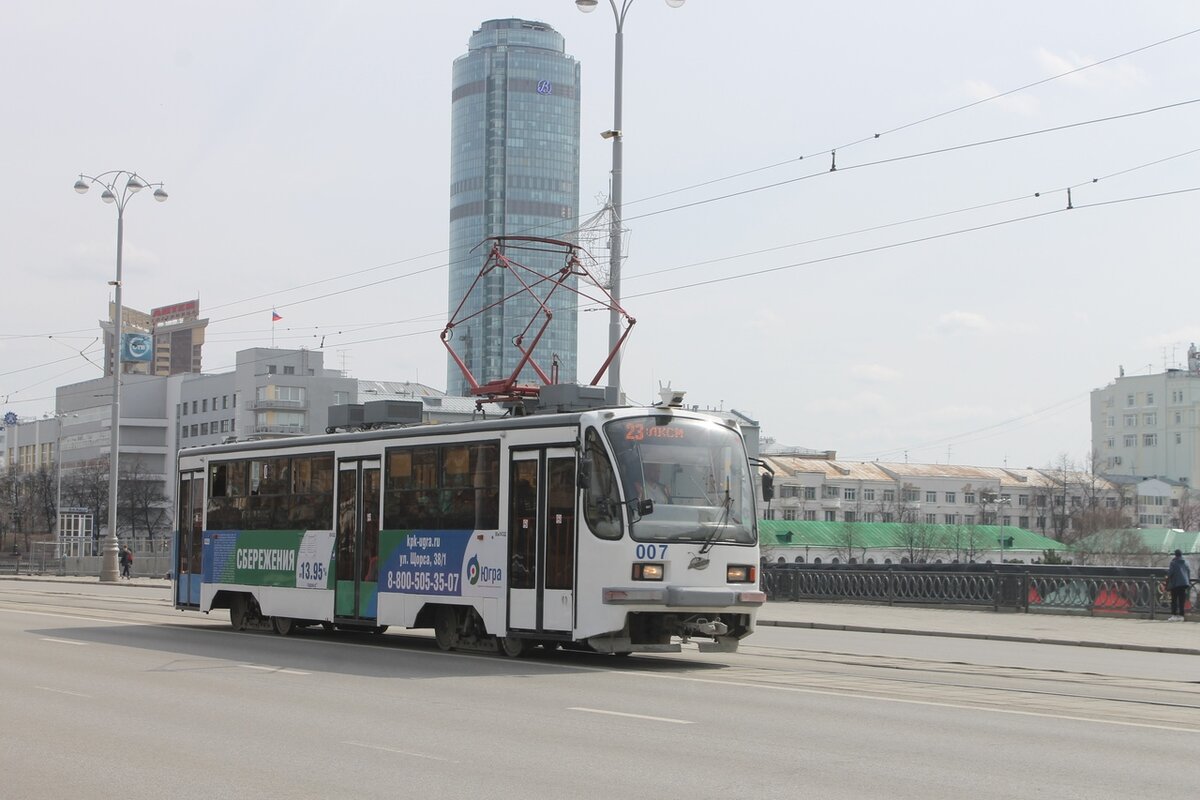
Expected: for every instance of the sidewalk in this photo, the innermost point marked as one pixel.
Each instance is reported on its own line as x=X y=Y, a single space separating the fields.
x=1080 y=630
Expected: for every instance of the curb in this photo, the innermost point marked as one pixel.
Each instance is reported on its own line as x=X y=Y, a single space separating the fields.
x=825 y=626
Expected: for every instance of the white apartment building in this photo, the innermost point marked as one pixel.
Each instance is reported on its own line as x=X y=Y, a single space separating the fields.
x=820 y=487
x=1148 y=426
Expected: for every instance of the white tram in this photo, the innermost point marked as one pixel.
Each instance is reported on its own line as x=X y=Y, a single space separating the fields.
x=617 y=530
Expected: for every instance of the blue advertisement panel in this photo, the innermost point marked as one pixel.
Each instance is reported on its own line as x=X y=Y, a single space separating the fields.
x=136 y=347
x=447 y=563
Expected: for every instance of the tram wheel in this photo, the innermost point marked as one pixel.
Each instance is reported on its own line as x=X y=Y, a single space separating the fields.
x=445 y=627
x=238 y=611
x=513 y=647
x=284 y=626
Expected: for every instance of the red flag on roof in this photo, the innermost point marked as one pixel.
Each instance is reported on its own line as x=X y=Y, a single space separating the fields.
x=275 y=316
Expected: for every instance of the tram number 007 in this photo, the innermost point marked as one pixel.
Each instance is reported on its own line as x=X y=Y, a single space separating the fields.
x=651 y=551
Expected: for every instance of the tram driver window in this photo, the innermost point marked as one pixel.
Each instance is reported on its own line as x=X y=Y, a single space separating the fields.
x=601 y=504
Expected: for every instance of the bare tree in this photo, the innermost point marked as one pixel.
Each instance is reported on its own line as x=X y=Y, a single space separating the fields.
x=87 y=487
x=142 y=502
x=1114 y=547
x=1186 y=515
x=919 y=542
x=850 y=545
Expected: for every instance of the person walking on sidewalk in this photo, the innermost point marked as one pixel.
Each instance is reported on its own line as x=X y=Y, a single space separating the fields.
x=1179 y=580
x=126 y=563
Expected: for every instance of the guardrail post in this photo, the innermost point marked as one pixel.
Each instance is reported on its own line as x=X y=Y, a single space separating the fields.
x=1024 y=600
x=996 y=592
x=891 y=586
x=1152 y=594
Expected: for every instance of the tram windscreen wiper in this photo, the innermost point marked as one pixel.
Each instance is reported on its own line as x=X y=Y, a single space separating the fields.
x=722 y=524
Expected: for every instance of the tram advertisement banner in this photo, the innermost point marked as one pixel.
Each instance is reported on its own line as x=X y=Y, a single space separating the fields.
x=292 y=559
x=450 y=563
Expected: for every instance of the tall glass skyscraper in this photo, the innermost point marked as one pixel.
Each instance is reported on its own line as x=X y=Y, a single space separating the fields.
x=514 y=170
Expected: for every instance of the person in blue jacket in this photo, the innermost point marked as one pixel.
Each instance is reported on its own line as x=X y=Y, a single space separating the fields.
x=1179 y=580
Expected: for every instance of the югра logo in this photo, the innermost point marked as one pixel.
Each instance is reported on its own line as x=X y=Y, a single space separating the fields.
x=473 y=570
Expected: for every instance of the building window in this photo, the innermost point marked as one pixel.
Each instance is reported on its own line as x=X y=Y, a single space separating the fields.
x=950 y=519
x=889 y=516
x=951 y=498
x=1023 y=522
x=911 y=496
x=224 y=401
x=1179 y=438
x=969 y=519
x=1150 y=439
x=204 y=429
x=1110 y=442
x=869 y=516
x=195 y=407
x=1178 y=418
x=789 y=514
x=769 y=514
x=848 y=516
x=1112 y=421
x=1008 y=521
x=810 y=516
x=1149 y=398
x=204 y=404
x=969 y=498
x=810 y=493
x=1041 y=522
x=1022 y=499
x=224 y=425
x=183 y=432
x=1130 y=400
x=868 y=494
x=271 y=371
x=931 y=497
x=1131 y=420
x=1150 y=419
x=850 y=494
x=1130 y=440
x=889 y=496
x=184 y=406
x=831 y=516
x=195 y=430
x=831 y=492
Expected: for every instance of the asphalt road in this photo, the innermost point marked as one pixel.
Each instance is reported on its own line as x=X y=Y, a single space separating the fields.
x=106 y=691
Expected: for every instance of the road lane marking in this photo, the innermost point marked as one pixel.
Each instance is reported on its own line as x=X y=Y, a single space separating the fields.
x=632 y=716
x=281 y=670
x=399 y=752
x=61 y=691
x=932 y=703
x=64 y=641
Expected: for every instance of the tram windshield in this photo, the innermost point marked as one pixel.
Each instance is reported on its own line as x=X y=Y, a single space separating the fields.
x=694 y=473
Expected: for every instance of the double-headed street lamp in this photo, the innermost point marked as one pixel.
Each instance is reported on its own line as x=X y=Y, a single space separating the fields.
x=119 y=185
x=615 y=134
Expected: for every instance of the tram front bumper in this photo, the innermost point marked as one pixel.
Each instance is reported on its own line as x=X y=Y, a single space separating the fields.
x=683 y=597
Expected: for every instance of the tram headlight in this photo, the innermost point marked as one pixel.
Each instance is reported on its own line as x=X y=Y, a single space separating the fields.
x=739 y=573
x=648 y=572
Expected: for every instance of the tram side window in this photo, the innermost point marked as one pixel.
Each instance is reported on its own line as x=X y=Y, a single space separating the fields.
x=447 y=487
x=260 y=494
x=601 y=505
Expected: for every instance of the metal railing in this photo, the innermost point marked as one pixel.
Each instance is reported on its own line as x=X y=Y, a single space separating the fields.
x=1056 y=592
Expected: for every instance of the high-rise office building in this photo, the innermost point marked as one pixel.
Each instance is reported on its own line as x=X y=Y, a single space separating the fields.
x=173 y=339
x=514 y=170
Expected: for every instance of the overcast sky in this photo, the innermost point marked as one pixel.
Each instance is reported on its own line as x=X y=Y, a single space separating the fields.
x=921 y=302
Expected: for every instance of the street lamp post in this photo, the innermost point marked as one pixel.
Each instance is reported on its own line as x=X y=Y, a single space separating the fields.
x=616 y=135
x=119 y=193
x=998 y=502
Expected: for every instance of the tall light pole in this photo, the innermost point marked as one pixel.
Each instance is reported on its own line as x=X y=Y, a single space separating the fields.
x=119 y=186
x=616 y=135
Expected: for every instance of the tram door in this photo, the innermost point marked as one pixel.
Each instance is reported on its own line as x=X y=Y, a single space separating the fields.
x=357 y=539
x=189 y=538
x=541 y=525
